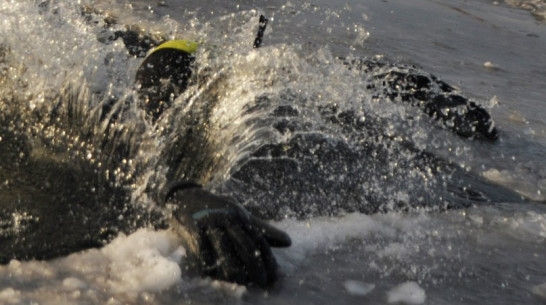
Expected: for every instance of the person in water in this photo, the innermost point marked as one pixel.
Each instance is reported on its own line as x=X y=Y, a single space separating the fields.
x=222 y=235
x=222 y=239
x=164 y=74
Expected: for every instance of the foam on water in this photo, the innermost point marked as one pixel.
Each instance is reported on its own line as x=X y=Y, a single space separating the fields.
x=407 y=293
x=144 y=261
x=358 y=288
x=130 y=269
x=431 y=249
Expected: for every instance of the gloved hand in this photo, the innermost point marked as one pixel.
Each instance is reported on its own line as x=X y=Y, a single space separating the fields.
x=222 y=239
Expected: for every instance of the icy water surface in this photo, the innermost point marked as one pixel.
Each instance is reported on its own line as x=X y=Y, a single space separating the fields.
x=490 y=253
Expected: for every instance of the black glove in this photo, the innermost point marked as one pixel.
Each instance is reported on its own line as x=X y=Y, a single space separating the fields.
x=222 y=239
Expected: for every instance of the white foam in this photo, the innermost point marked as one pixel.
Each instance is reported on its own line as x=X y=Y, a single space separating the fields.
x=143 y=261
x=490 y=65
x=230 y=289
x=72 y=283
x=540 y=291
x=358 y=288
x=10 y=296
x=408 y=293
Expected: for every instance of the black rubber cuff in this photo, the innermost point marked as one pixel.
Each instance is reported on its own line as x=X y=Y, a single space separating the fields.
x=173 y=187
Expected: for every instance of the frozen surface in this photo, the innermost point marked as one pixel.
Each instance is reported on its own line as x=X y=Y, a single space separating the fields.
x=409 y=258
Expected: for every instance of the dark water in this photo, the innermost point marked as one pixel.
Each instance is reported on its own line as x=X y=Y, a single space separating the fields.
x=491 y=253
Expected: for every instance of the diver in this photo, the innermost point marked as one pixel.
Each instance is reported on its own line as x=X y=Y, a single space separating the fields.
x=221 y=238
x=220 y=234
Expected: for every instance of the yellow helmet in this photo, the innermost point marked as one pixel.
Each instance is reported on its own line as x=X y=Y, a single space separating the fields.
x=182 y=45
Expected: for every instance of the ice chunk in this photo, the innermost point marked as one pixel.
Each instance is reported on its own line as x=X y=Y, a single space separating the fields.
x=143 y=261
x=231 y=289
x=72 y=283
x=10 y=296
x=408 y=293
x=540 y=291
x=490 y=65
x=358 y=288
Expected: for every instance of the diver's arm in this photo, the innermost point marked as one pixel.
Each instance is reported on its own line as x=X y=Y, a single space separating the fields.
x=222 y=239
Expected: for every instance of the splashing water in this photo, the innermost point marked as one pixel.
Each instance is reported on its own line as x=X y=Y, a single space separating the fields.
x=286 y=129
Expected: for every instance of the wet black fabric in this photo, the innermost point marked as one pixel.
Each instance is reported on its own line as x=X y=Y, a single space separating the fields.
x=222 y=239
x=163 y=76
